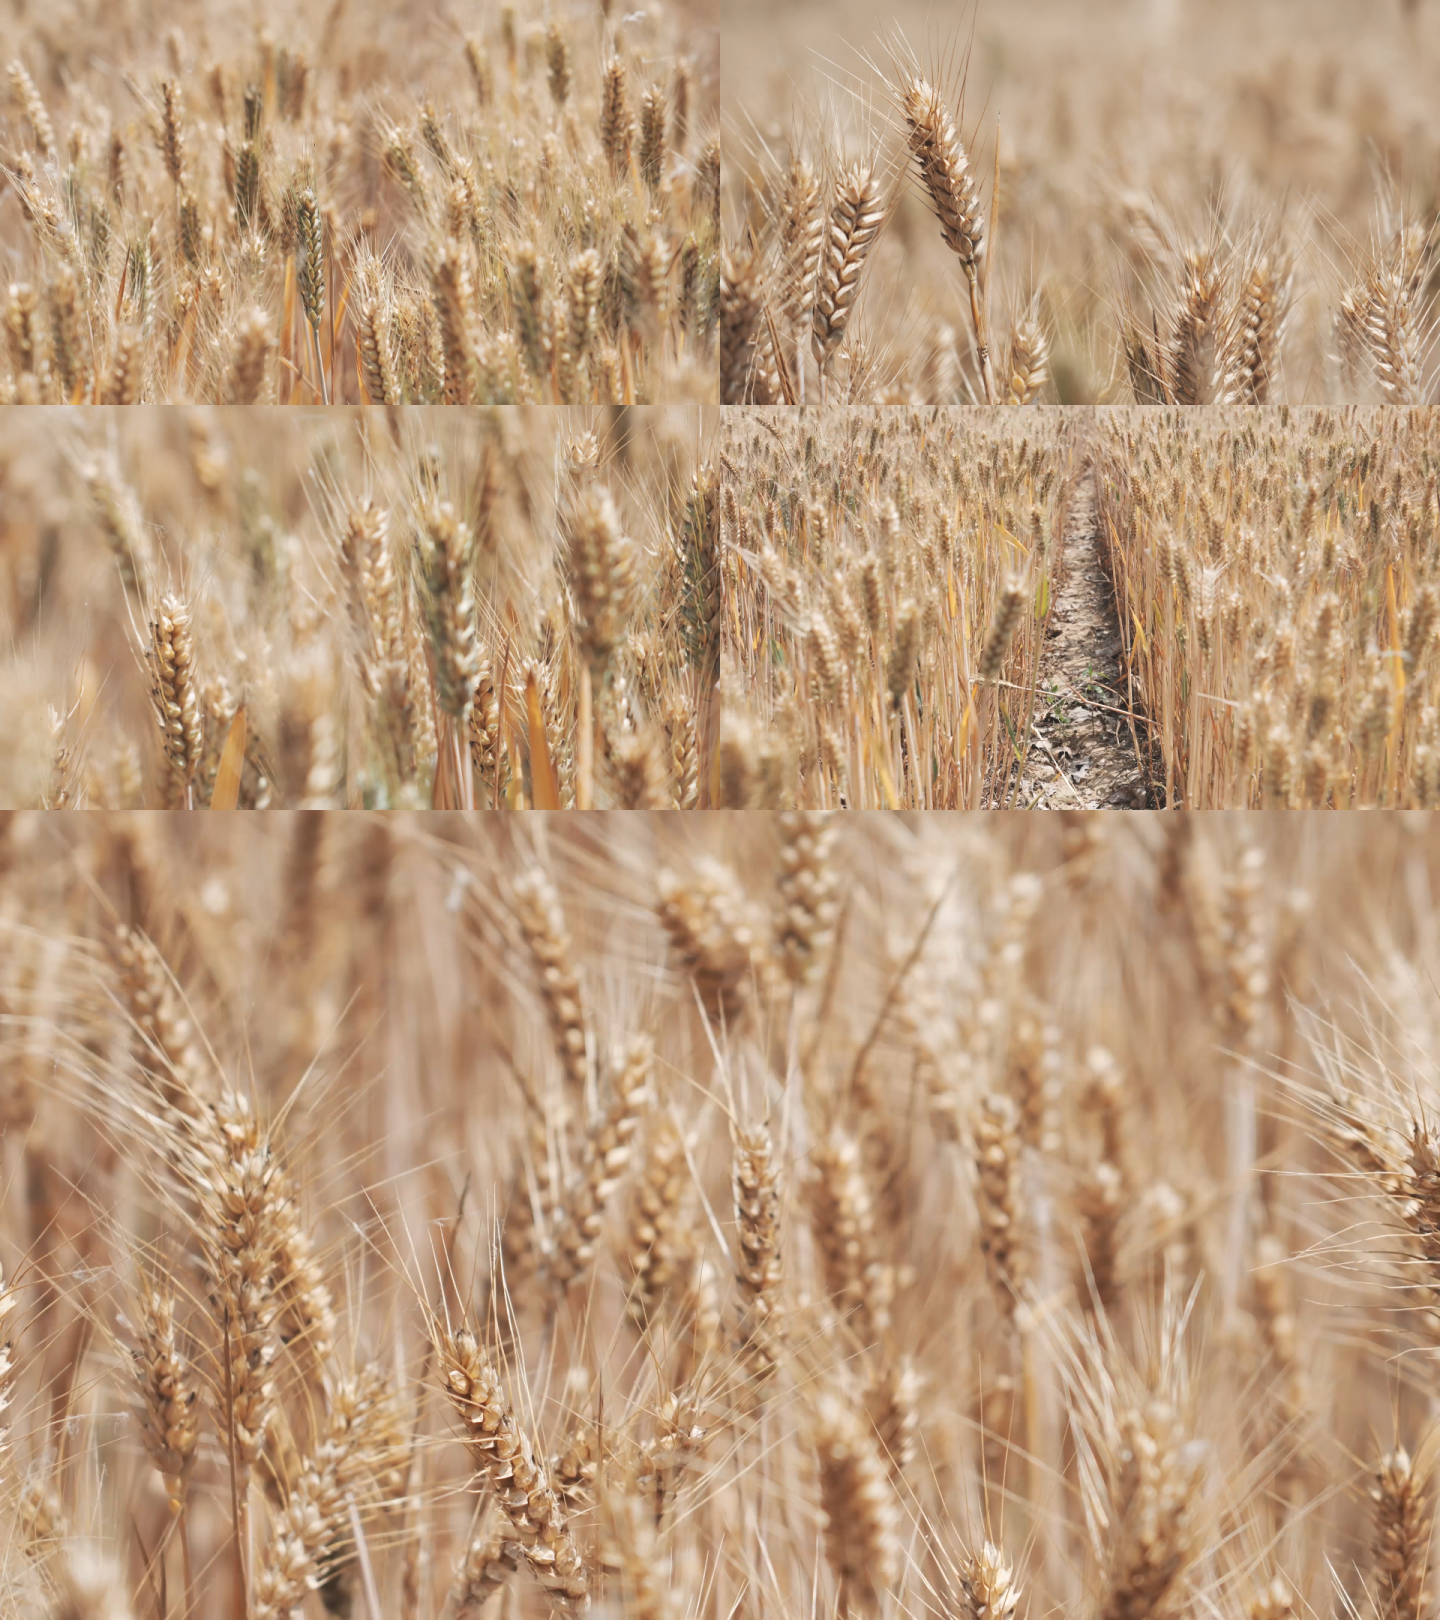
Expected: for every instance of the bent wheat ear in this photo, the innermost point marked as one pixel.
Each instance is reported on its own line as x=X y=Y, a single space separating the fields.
x=504 y=1455
x=30 y=100
x=945 y=170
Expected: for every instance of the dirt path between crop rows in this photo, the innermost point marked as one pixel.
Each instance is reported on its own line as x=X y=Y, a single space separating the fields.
x=1082 y=747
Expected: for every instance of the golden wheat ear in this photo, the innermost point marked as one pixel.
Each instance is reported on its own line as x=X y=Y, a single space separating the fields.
x=176 y=697
x=945 y=173
x=503 y=1452
x=857 y=211
x=862 y=1539
x=1029 y=356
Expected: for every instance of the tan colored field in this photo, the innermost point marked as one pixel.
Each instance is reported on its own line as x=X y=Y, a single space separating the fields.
x=1279 y=602
x=353 y=607
x=360 y=203
x=870 y=1217
x=874 y=609
x=893 y=573
x=1197 y=201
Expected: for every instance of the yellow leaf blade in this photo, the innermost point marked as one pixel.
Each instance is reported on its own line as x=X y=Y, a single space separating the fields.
x=543 y=786
x=225 y=795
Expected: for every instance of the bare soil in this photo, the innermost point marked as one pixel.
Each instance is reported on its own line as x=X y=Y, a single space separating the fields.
x=1082 y=741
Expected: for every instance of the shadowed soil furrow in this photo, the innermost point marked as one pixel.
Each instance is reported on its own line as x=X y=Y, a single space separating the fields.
x=1082 y=740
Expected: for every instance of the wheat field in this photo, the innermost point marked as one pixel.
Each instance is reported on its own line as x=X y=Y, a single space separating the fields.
x=872 y=1216
x=916 y=1195
x=1276 y=591
x=354 y=607
x=1159 y=201
x=360 y=203
x=655 y=609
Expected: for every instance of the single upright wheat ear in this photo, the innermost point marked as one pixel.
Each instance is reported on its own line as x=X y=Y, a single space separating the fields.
x=740 y=301
x=253 y=343
x=542 y=922
x=1391 y=334
x=861 y=1515
x=601 y=561
x=617 y=124
x=311 y=278
x=1195 y=347
x=446 y=548
x=176 y=695
x=856 y=214
x=1404 y=1524
x=807 y=884
x=1263 y=308
x=757 y=1257
x=1153 y=1517
x=988 y=1586
x=997 y=1163
x=169 y=1423
x=1002 y=631
x=1029 y=356
x=802 y=236
x=357 y=1453
x=711 y=933
x=945 y=172
x=842 y=1223
x=604 y=1160
x=235 y=1173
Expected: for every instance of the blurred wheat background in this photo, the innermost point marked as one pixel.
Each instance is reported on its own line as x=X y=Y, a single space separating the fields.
x=793 y=1215
x=362 y=605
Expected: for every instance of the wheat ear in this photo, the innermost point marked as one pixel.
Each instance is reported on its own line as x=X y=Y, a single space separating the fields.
x=505 y=1459
x=359 y=1448
x=861 y=1515
x=176 y=696
x=856 y=213
x=1403 y=1527
x=945 y=171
